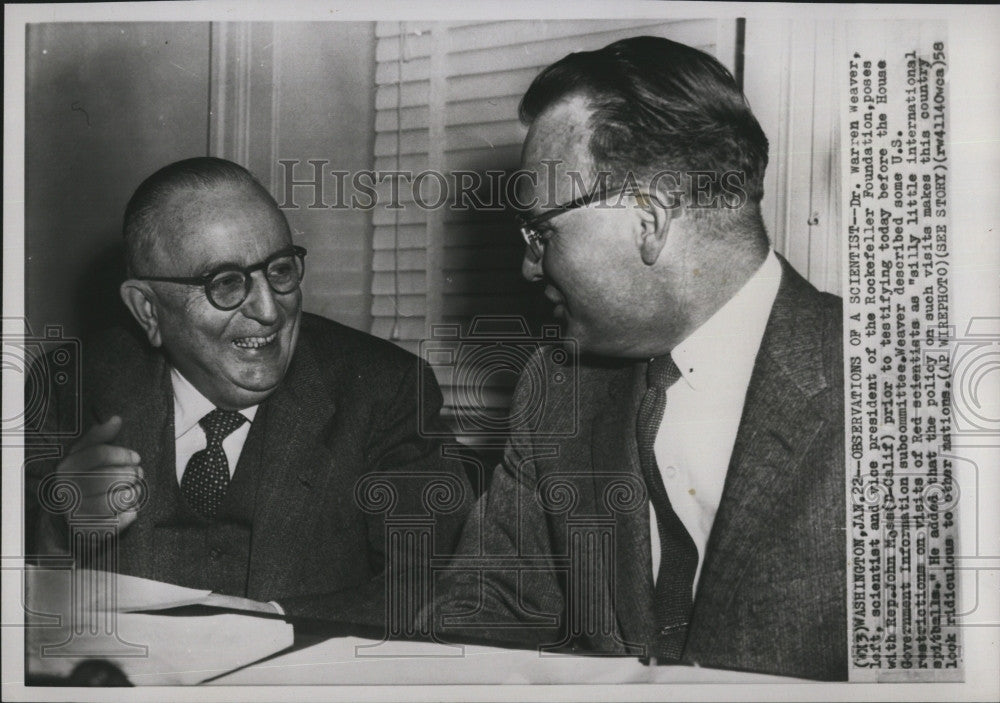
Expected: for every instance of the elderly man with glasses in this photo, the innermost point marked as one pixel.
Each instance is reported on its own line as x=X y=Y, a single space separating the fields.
x=242 y=425
x=686 y=504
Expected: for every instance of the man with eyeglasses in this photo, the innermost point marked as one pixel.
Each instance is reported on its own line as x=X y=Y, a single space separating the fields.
x=697 y=513
x=242 y=425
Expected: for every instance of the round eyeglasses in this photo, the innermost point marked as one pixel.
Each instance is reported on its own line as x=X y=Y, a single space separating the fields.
x=228 y=286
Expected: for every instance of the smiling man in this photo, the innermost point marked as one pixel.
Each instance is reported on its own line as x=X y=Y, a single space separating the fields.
x=696 y=513
x=243 y=424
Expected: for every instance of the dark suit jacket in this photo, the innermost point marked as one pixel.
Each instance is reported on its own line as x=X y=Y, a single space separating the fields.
x=771 y=595
x=347 y=408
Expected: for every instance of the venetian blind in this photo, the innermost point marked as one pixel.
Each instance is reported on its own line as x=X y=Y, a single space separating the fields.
x=446 y=100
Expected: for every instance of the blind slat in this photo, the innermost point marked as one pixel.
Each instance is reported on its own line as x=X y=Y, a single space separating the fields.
x=409 y=328
x=488 y=110
x=406 y=237
x=381 y=215
x=413 y=141
x=411 y=117
x=409 y=162
x=408 y=306
x=409 y=282
x=409 y=94
x=400 y=260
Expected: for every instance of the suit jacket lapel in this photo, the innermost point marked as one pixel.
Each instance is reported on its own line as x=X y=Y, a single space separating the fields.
x=294 y=462
x=144 y=400
x=778 y=425
x=614 y=450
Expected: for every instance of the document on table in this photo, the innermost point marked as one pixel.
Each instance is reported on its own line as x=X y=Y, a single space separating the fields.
x=77 y=615
x=356 y=661
x=105 y=591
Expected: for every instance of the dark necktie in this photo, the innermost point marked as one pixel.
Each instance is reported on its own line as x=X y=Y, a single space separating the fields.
x=206 y=477
x=672 y=599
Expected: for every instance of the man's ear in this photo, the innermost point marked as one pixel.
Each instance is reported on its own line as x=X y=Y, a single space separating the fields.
x=140 y=300
x=654 y=218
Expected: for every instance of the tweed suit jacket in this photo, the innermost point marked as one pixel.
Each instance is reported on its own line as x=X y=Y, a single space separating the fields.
x=572 y=515
x=346 y=409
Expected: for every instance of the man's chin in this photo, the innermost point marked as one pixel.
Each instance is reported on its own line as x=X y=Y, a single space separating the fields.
x=589 y=342
x=252 y=385
x=245 y=395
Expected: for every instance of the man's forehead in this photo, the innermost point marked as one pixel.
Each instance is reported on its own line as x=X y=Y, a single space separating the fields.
x=557 y=148
x=192 y=203
x=225 y=221
x=192 y=208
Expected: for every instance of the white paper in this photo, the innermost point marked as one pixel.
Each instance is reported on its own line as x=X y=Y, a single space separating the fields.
x=80 y=615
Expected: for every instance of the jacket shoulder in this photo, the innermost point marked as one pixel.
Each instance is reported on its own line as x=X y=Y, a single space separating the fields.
x=118 y=354
x=809 y=311
x=805 y=294
x=328 y=340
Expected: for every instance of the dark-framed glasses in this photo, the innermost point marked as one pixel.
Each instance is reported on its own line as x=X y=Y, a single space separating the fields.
x=535 y=238
x=228 y=286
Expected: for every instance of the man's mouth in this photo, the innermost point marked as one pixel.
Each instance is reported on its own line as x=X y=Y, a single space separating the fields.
x=255 y=342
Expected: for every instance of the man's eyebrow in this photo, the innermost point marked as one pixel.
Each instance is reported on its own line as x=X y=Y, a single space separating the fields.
x=213 y=266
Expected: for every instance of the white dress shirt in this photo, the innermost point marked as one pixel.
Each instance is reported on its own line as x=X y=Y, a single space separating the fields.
x=696 y=436
x=189 y=407
x=189 y=437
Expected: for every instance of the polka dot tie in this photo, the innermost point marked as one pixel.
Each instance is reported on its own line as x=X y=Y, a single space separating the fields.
x=206 y=477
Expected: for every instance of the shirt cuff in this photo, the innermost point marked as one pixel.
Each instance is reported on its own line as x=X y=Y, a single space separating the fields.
x=277 y=606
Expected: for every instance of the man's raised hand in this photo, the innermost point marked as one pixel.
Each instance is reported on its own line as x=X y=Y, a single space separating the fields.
x=109 y=477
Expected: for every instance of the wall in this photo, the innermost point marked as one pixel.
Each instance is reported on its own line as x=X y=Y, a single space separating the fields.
x=790 y=83
x=107 y=104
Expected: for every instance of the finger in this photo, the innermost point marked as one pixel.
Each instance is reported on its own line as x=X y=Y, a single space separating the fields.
x=121 y=497
x=99 y=434
x=127 y=506
x=99 y=455
x=127 y=518
x=97 y=483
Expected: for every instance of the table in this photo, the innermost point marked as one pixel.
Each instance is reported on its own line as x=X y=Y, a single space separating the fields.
x=158 y=634
x=359 y=661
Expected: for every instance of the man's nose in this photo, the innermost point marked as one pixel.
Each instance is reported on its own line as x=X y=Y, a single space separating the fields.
x=261 y=304
x=531 y=266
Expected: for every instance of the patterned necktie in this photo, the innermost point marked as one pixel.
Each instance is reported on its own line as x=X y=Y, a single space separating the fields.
x=672 y=599
x=206 y=477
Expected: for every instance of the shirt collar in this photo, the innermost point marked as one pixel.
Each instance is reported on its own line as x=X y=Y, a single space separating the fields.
x=727 y=343
x=190 y=405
